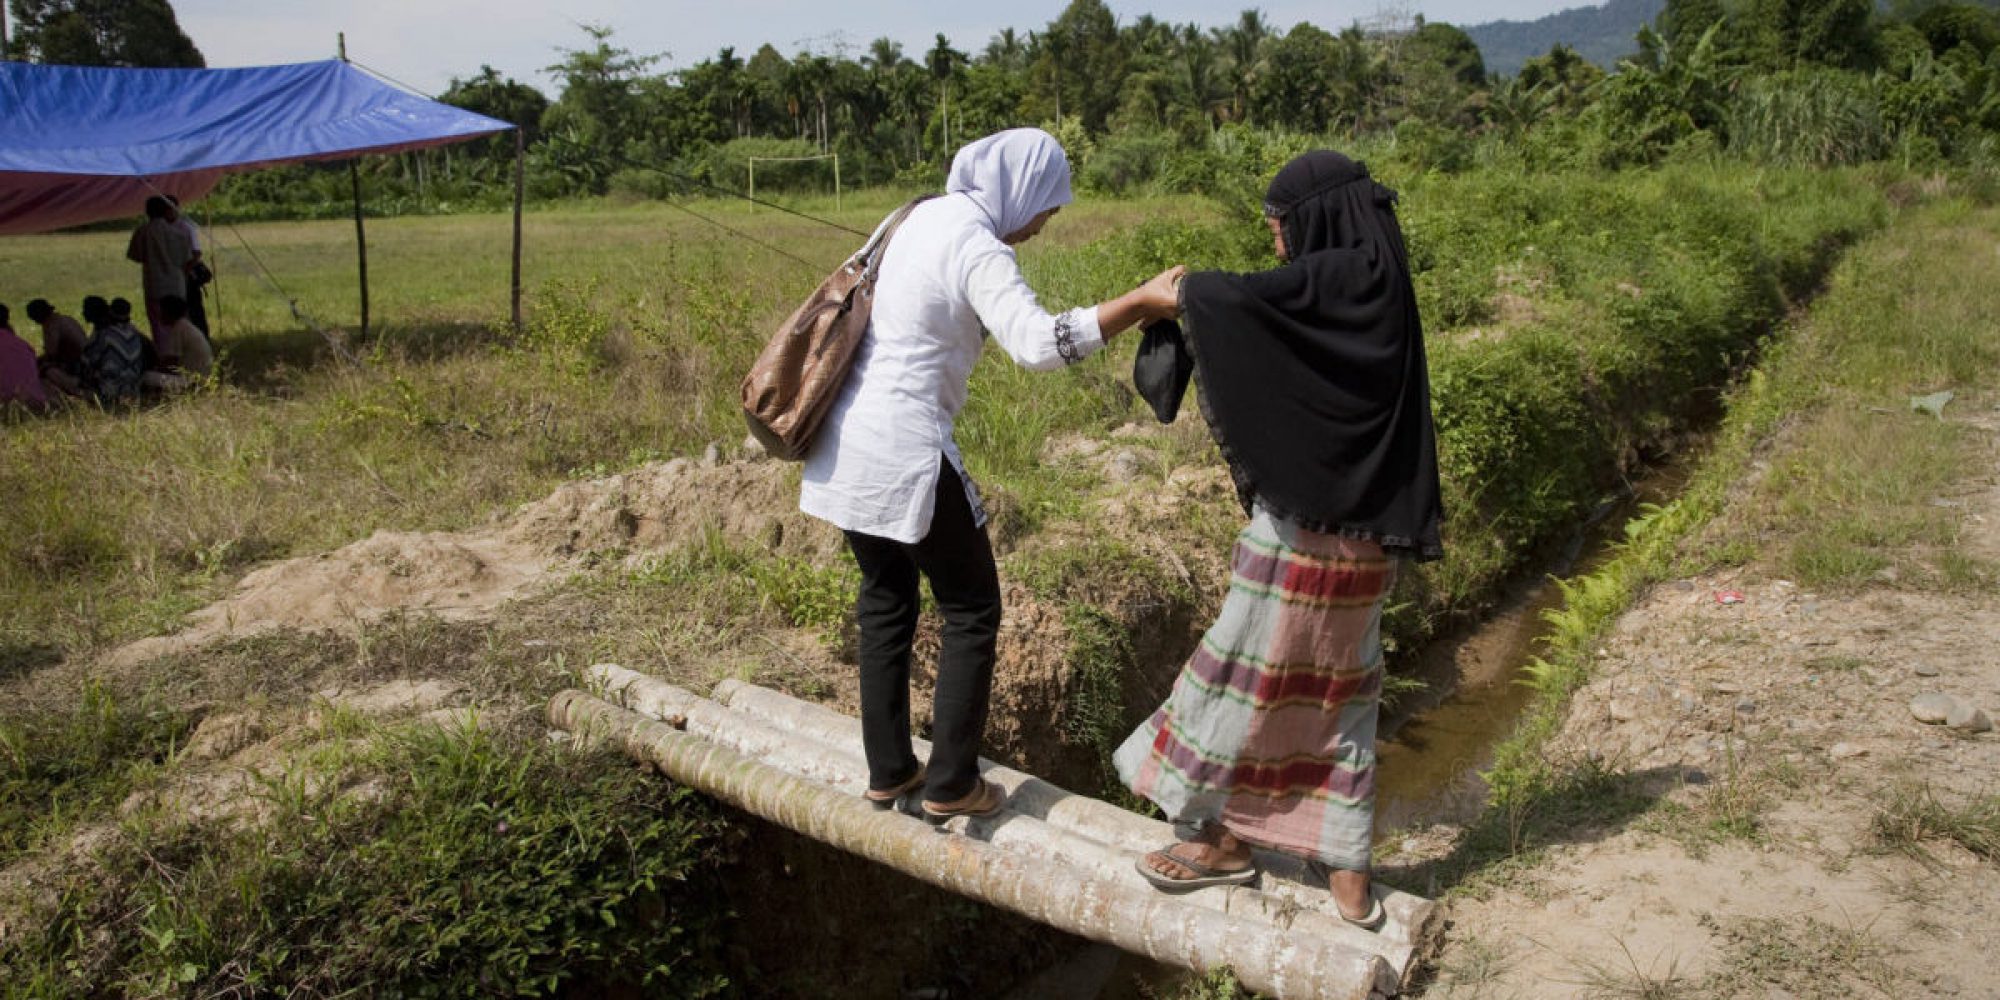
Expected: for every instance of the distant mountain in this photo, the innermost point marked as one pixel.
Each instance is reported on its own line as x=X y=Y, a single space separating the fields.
x=1602 y=35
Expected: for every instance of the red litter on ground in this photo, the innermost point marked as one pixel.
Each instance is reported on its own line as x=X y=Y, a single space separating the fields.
x=1729 y=597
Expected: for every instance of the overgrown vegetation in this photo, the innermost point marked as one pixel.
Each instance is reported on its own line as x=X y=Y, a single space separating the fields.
x=424 y=862
x=56 y=767
x=1869 y=342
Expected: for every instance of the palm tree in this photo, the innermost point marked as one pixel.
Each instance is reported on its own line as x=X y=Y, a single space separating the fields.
x=1514 y=106
x=884 y=55
x=1200 y=61
x=1243 y=42
x=944 y=62
x=1006 y=50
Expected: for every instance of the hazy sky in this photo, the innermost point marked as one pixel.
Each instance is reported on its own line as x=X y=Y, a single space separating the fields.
x=427 y=42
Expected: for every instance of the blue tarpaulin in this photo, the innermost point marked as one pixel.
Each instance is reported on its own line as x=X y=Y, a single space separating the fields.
x=82 y=144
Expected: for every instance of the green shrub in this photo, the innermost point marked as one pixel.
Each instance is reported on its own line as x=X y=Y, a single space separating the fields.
x=469 y=865
x=1127 y=162
x=59 y=766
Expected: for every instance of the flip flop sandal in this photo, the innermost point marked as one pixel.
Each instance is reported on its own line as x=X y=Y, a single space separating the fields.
x=1205 y=876
x=885 y=798
x=1372 y=920
x=984 y=802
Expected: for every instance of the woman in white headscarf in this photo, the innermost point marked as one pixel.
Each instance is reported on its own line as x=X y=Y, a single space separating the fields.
x=884 y=468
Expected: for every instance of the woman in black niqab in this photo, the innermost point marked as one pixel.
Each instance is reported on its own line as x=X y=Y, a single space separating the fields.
x=1312 y=378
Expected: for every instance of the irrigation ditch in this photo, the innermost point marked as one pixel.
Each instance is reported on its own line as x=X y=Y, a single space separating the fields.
x=1639 y=396
x=1596 y=392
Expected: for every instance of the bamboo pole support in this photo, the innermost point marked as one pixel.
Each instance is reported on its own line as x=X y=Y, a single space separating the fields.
x=360 y=241
x=1164 y=928
x=520 y=194
x=360 y=232
x=1040 y=819
x=1411 y=918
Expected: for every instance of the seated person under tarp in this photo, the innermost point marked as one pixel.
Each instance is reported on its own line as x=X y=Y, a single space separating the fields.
x=20 y=378
x=62 y=348
x=183 y=355
x=116 y=356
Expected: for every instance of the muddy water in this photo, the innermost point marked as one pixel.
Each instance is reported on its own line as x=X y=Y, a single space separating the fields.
x=1435 y=744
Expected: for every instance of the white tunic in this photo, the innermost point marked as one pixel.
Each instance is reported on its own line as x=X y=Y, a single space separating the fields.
x=874 y=467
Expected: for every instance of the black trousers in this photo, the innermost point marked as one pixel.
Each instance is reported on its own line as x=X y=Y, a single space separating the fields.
x=958 y=559
x=197 y=310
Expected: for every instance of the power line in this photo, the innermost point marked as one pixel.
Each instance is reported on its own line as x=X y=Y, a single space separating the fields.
x=739 y=234
x=625 y=161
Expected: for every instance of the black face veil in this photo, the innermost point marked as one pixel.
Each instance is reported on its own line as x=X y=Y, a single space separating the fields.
x=1312 y=375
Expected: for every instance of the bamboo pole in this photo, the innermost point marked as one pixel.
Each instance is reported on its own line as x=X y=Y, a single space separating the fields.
x=360 y=241
x=1410 y=917
x=520 y=188
x=1040 y=819
x=844 y=771
x=1162 y=927
x=360 y=233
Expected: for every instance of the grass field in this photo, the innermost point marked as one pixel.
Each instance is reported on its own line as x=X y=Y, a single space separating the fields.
x=642 y=319
x=1583 y=314
x=1577 y=323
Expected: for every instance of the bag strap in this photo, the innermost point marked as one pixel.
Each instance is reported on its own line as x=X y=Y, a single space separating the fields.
x=873 y=253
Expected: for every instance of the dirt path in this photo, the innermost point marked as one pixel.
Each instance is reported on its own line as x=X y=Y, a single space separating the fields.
x=1758 y=772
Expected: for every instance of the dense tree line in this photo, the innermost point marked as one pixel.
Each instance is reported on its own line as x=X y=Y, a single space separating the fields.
x=1818 y=81
x=1146 y=102
x=99 y=33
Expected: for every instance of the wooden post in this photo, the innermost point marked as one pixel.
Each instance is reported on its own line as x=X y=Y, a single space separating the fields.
x=753 y=183
x=214 y=282
x=836 y=182
x=520 y=186
x=360 y=232
x=360 y=240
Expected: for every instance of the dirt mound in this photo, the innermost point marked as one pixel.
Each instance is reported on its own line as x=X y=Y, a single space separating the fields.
x=467 y=575
x=665 y=505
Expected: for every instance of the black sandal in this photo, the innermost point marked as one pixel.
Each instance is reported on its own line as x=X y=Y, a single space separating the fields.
x=885 y=798
x=985 y=800
x=1204 y=875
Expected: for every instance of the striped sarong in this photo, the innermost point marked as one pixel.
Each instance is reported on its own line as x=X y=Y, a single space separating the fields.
x=1270 y=728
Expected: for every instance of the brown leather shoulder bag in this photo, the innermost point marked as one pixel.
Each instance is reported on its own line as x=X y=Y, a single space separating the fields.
x=793 y=384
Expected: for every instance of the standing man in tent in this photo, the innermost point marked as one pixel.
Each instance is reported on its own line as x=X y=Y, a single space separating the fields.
x=198 y=273
x=162 y=250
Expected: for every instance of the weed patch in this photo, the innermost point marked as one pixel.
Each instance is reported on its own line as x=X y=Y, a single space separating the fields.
x=1914 y=816
x=59 y=766
x=471 y=865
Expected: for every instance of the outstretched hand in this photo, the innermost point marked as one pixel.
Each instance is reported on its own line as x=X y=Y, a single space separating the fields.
x=1158 y=298
x=1161 y=295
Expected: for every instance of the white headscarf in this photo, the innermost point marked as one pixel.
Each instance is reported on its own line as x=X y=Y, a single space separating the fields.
x=1012 y=176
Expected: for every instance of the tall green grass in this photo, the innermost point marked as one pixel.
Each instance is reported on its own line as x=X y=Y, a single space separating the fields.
x=436 y=863
x=1867 y=345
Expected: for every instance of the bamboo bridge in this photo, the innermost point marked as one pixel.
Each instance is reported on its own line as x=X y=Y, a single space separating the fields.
x=1053 y=856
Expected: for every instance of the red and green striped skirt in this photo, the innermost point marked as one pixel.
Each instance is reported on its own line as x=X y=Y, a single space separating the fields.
x=1270 y=728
